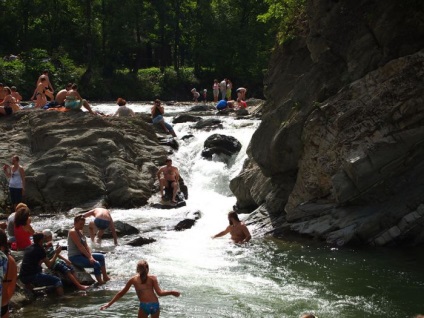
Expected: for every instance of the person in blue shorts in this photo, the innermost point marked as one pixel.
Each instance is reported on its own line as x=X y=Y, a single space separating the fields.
x=147 y=289
x=102 y=221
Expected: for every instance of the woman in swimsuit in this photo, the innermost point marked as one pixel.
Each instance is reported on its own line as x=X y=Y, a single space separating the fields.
x=9 y=103
x=146 y=287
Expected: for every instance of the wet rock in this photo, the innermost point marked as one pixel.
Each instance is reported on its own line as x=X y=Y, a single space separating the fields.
x=140 y=241
x=122 y=229
x=184 y=118
x=220 y=144
x=201 y=108
x=184 y=225
x=73 y=158
x=208 y=124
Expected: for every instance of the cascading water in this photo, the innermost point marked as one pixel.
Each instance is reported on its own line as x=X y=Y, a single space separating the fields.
x=216 y=278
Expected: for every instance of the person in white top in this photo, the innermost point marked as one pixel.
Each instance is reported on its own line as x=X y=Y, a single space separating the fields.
x=16 y=176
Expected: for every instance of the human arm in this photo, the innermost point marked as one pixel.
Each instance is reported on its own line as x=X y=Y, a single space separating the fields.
x=28 y=228
x=9 y=280
x=177 y=175
x=222 y=233
x=161 y=292
x=89 y=213
x=113 y=230
x=83 y=248
x=67 y=261
x=7 y=171
x=119 y=294
x=50 y=262
x=159 y=173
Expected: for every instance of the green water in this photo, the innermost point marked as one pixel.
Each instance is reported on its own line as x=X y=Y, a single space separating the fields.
x=271 y=279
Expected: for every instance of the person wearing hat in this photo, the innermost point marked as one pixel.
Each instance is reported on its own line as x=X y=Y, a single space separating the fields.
x=31 y=272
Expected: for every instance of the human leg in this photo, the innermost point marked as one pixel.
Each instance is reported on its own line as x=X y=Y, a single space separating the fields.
x=170 y=129
x=101 y=261
x=162 y=184
x=87 y=106
x=174 y=191
x=75 y=281
x=41 y=280
x=84 y=262
x=92 y=229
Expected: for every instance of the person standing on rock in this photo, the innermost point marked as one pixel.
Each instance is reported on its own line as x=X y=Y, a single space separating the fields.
x=223 y=88
x=16 y=176
x=215 y=89
x=170 y=179
x=237 y=229
x=102 y=221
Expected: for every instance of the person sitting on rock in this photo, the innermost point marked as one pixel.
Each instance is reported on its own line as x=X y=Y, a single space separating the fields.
x=102 y=221
x=31 y=272
x=170 y=179
x=80 y=254
x=75 y=101
x=61 y=264
x=23 y=229
x=123 y=110
x=157 y=112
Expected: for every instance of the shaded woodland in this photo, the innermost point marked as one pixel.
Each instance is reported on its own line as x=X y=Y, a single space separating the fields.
x=141 y=49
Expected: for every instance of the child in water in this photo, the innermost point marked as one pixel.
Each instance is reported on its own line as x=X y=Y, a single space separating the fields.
x=146 y=287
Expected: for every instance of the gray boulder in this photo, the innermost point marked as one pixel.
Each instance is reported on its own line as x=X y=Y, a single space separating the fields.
x=75 y=158
x=220 y=144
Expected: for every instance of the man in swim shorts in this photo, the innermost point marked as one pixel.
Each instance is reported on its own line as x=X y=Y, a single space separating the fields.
x=169 y=180
x=102 y=221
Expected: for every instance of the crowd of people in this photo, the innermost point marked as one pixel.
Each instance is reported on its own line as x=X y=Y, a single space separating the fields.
x=38 y=247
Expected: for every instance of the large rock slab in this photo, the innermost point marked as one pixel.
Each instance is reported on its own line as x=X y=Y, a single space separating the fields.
x=342 y=128
x=75 y=158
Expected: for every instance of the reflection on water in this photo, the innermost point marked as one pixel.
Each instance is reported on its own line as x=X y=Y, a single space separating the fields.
x=266 y=278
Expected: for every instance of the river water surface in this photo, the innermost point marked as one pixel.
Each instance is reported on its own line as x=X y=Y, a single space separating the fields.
x=265 y=278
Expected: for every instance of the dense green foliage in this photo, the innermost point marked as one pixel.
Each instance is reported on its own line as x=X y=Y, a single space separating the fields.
x=140 y=49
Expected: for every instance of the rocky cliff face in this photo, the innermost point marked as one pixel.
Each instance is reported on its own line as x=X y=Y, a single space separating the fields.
x=75 y=159
x=339 y=152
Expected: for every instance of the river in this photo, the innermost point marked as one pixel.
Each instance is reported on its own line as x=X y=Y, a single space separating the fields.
x=216 y=278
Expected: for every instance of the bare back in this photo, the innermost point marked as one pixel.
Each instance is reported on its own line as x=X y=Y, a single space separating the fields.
x=145 y=292
x=238 y=232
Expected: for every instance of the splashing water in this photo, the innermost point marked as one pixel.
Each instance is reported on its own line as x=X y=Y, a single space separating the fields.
x=216 y=278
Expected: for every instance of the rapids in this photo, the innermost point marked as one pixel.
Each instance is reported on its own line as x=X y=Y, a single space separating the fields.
x=216 y=278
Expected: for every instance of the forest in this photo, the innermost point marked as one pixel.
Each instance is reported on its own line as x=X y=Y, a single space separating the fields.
x=142 y=49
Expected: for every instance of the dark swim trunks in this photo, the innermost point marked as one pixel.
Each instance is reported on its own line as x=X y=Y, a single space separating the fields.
x=149 y=308
x=101 y=224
